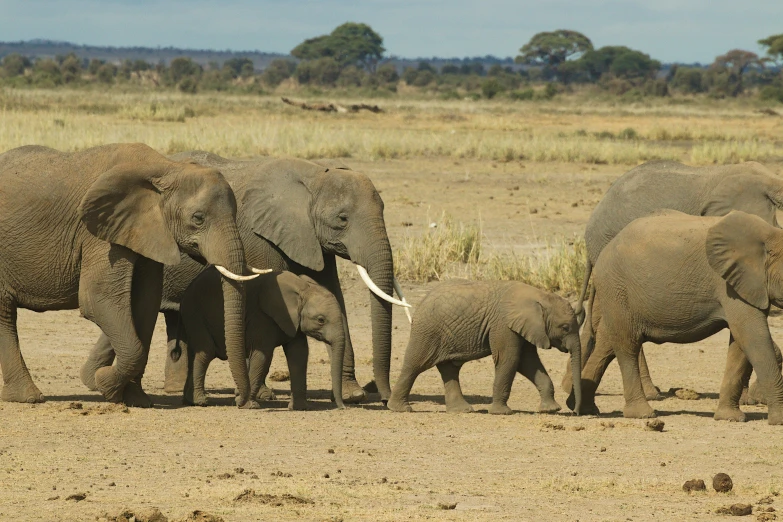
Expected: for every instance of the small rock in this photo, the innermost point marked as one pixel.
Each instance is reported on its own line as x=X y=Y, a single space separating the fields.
x=737 y=510
x=534 y=211
x=326 y=475
x=54 y=497
x=686 y=394
x=75 y=406
x=663 y=465
x=694 y=485
x=447 y=505
x=280 y=474
x=764 y=517
x=225 y=476
x=330 y=450
x=407 y=224
x=279 y=376
x=654 y=425
x=76 y=497
x=766 y=500
x=200 y=516
x=384 y=480
x=722 y=483
x=239 y=471
x=112 y=484
x=603 y=449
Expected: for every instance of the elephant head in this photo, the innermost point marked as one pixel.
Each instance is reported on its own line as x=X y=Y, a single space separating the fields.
x=749 y=187
x=546 y=320
x=159 y=209
x=305 y=306
x=748 y=253
x=306 y=210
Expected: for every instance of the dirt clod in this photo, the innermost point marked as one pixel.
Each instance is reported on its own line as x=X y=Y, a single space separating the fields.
x=654 y=425
x=76 y=497
x=553 y=426
x=280 y=474
x=279 y=376
x=447 y=505
x=687 y=394
x=603 y=449
x=54 y=497
x=200 y=516
x=250 y=495
x=764 y=517
x=75 y=406
x=765 y=500
x=722 y=483
x=330 y=450
x=737 y=510
x=239 y=471
x=694 y=485
x=225 y=476
x=127 y=515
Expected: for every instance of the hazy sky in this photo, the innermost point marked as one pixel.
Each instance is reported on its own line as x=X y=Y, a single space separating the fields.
x=669 y=30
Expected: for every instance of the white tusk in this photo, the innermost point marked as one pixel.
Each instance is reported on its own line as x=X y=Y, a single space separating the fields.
x=260 y=271
x=377 y=291
x=231 y=275
x=398 y=289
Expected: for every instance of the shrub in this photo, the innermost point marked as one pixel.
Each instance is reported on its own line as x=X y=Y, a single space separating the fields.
x=629 y=133
x=524 y=94
x=387 y=73
x=188 y=85
x=15 y=64
x=277 y=72
x=351 y=76
x=46 y=73
x=182 y=68
x=491 y=87
x=688 y=80
x=323 y=71
x=424 y=78
x=106 y=73
x=772 y=93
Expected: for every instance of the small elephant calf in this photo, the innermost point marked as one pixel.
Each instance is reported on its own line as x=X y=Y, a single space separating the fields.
x=460 y=321
x=281 y=309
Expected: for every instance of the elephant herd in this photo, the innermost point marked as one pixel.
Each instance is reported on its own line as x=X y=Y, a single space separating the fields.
x=240 y=256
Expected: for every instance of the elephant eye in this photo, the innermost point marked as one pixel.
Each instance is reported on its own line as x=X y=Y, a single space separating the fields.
x=566 y=328
x=198 y=218
x=343 y=218
x=321 y=320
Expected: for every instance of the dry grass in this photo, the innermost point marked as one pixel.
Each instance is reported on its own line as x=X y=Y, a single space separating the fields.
x=455 y=250
x=571 y=129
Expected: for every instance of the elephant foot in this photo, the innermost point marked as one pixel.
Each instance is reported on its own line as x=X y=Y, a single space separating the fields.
x=500 y=409
x=87 y=375
x=22 y=391
x=401 y=406
x=727 y=413
x=265 y=394
x=652 y=393
x=352 y=392
x=459 y=407
x=110 y=384
x=549 y=406
x=134 y=396
x=298 y=405
x=745 y=399
x=173 y=385
x=249 y=405
x=755 y=395
x=775 y=417
x=638 y=411
x=587 y=407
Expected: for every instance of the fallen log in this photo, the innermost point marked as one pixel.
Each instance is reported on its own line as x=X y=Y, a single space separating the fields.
x=331 y=107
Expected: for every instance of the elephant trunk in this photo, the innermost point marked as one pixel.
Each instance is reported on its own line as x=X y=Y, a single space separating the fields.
x=231 y=255
x=575 y=349
x=380 y=267
x=338 y=356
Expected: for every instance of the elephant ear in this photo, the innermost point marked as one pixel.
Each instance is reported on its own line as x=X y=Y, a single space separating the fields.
x=526 y=318
x=124 y=206
x=737 y=252
x=282 y=301
x=743 y=191
x=277 y=208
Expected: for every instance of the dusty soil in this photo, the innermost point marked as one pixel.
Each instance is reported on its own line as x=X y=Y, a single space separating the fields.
x=367 y=463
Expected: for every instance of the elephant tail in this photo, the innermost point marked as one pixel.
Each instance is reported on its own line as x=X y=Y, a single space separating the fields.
x=579 y=309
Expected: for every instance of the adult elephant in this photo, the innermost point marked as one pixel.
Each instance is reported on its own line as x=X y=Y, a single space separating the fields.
x=656 y=185
x=92 y=230
x=296 y=215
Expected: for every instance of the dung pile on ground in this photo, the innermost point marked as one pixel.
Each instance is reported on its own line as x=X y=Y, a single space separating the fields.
x=686 y=394
x=694 y=485
x=127 y=515
x=722 y=483
x=737 y=510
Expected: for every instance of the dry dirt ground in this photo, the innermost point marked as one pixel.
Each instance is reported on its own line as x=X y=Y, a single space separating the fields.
x=367 y=463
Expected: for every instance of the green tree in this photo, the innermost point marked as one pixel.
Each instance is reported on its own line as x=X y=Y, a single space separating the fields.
x=387 y=73
x=46 y=73
x=774 y=45
x=15 y=64
x=551 y=49
x=106 y=73
x=729 y=69
x=323 y=71
x=71 y=68
x=181 y=68
x=239 y=67
x=449 y=68
x=349 y=44
x=689 y=80
x=632 y=64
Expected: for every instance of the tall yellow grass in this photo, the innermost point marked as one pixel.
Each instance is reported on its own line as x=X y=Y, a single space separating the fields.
x=246 y=125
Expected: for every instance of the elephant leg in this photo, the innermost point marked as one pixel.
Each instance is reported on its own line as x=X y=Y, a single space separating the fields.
x=531 y=367
x=738 y=370
x=176 y=370
x=600 y=355
x=260 y=361
x=417 y=359
x=102 y=354
x=18 y=385
x=455 y=400
x=651 y=391
x=627 y=351
x=752 y=394
x=296 y=354
x=506 y=351
x=123 y=299
x=195 y=393
x=328 y=278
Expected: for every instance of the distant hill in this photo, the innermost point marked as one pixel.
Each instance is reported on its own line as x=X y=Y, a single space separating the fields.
x=50 y=49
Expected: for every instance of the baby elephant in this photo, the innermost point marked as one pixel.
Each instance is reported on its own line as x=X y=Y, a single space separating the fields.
x=282 y=308
x=460 y=321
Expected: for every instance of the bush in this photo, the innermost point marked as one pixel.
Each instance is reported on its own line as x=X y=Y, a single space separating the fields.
x=772 y=93
x=46 y=73
x=424 y=78
x=656 y=88
x=491 y=87
x=550 y=91
x=524 y=94
x=688 y=80
x=628 y=133
x=182 y=68
x=350 y=77
x=323 y=71
x=239 y=67
x=106 y=73
x=188 y=85
x=387 y=73
x=14 y=65
x=277 y=72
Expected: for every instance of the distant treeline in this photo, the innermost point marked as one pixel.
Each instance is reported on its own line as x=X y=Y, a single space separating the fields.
x=352 y=57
